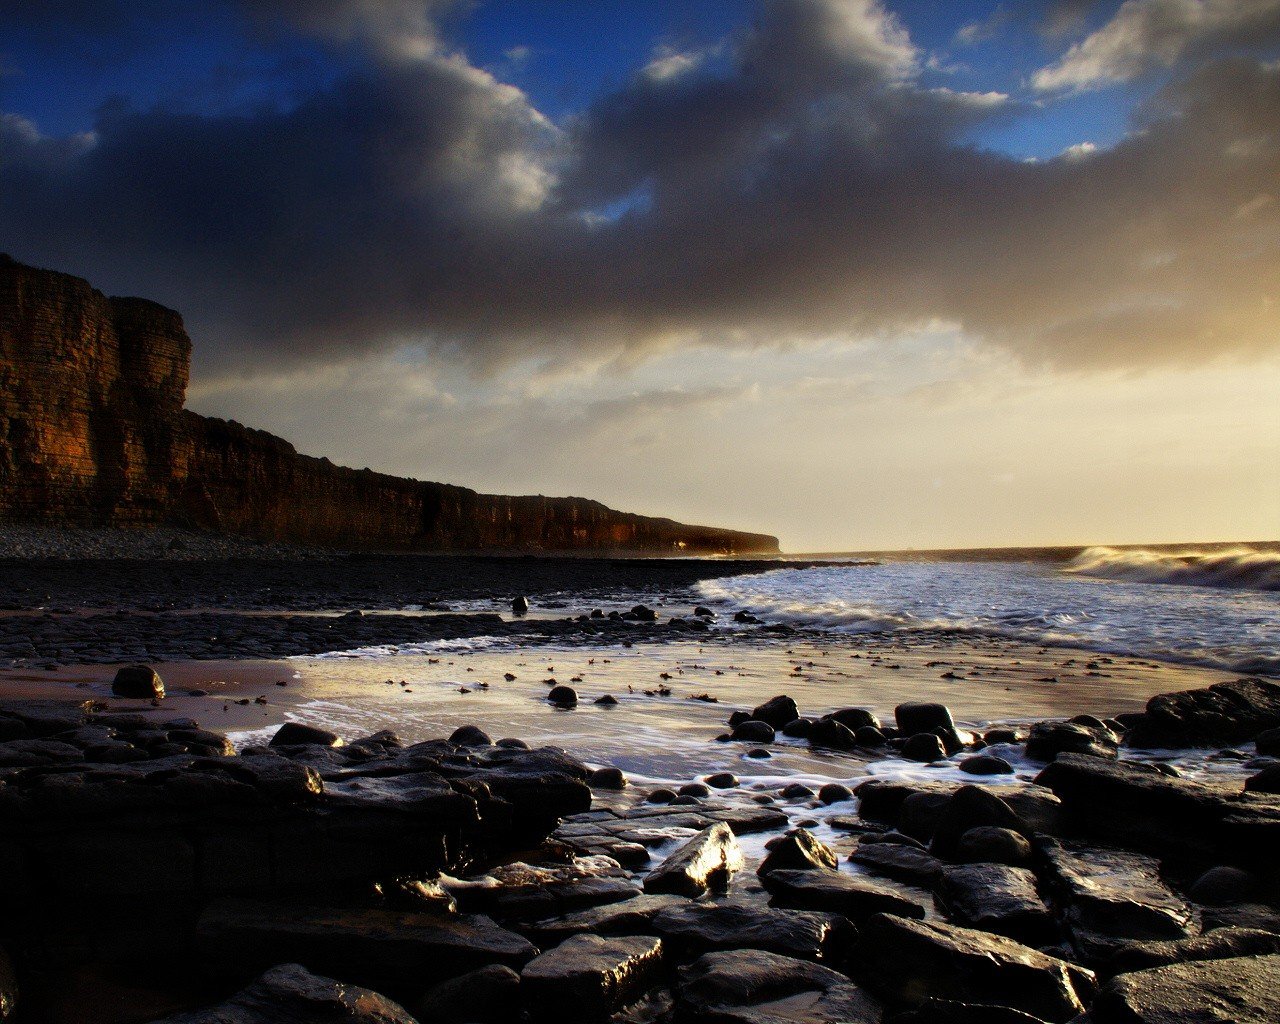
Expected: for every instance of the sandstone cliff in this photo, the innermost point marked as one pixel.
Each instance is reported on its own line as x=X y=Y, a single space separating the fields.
x=93 y=432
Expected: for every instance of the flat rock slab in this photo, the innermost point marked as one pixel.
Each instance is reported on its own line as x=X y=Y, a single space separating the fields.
x=588 y=977
x=753 y=987
x=399 y=952
x=1244 y=990
x=1218 y=715
x=697 y=928
x=838 y=892
x=290 y=994
x=630 y=917
x=905 y=863
x=911 y=961
x=997 y=898
x=1220 y=944
x=708 y=860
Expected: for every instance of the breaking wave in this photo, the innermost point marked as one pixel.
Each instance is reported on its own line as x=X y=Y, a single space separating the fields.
x=1234 y=569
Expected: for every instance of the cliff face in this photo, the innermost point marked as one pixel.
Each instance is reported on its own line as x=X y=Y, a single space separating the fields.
x=93 y=432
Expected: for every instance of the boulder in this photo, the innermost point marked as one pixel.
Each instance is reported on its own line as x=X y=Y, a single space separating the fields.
x=925 y=747
x=587 y=978
x=827 y=732
x=607 y=778
x=778 y=711
x=490 y=995
x=706 y=861
x=295 y=734
x=903 y=863
x=1224 y=885
x=1049 y=739
x=934 y=718
x=834 y=793
x=1220 y=715
x=520 y=605
x=563 y=696
x=909 y=962
x=986 y=764
x=470 y=736
x=1268 y=742
x=628 y=917
x=752 y=731
x=290 y=994
x=838 y=892
x=854 y=719
x=1243 y=990
x=968 y=808
x=997 y=898
x=1266 y=781
x=798 y=850
x=697 y=928
x=754 y=987
x=1223 y=944
x=988 y=844
x=139 y=682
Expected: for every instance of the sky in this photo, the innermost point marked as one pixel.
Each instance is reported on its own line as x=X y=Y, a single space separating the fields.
x=858 y=274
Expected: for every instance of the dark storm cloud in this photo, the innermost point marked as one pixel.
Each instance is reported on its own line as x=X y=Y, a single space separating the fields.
x=797 y=183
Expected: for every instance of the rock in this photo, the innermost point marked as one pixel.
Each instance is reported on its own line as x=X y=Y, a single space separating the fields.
x=837 y=892
x=1257 y=916
x=796 y=791
x=392 y=951
x=587 y=977
x=697 y=928
x=798 y=850
x=694 y=789
x=934 y=718
x=1266 y=781
x=834 y=793
x=703 y=612
x=1049 y=739
x=1220 y=715
x=883 y=800
x=642 y=613
x=799 y=729
x=950 y=1011
x=854 y=719
x=986 y=764
x=139 y=682
x=778 y=711
x=706 y=861
x=628 y=917
x=490 y=995
x=753 y=987
x=753 y=732
x=901 y=862
x=1268 y=742
x=722 y=780
x=827 y=732
x=520 y=606
x=607 y=778
x=1243 y=990
x=911 y=961
x=924 y=746
x=869 y=736
x=290 y=994
x=991 y=845
x=661 y=795
x=1222 y=944
x=1224 y=885
x=563 y=696
x=997 y=898
x=470 y=736
x=968 y=808
x=993 y=736
x=1109 y=897
x=608 y=701
x=295 y=734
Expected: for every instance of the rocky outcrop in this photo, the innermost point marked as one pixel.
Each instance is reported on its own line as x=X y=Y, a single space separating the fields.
x=93 y=432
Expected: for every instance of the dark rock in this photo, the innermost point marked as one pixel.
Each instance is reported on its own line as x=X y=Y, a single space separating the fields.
x=140 y=682
x=934 y=718
x=738 y=717
x=971 y=807
x=703 y=612
x=706 y=861
x=798 y=850
x=994 y=736
x=950 y=1011
x=1220 y=715
x=991 y=845
x=798 y=729
x=796 y=791
x=490 y=995
x=1243 y=990
x=470 y=736
x=997 y=898
x=901 y=862
x=869 y=736
x=1049 y=739
x=854 y=719
x=563 y=696
x=587 y=977
x=778 y=711
x=661 y=795
x=883 y=799
x=1257 y=916
x=924 y=746
x=834 y=793
x=986 y=764
x=1224 y=885
x=921 y=812
x=627 y=917
x=1268 y=742
x=290 y=994
x=722 y=780
x=1266 y=781
x=608 y=700
x=837 y=892
x=827 y=732
x=694 y=789
x=1222 y=944
x=697 y=928
x=295 y=734
x=753 y=987
x=911 y=961
x=520 y=606
x=753 y=732
x=643 y=613
x=607 y=778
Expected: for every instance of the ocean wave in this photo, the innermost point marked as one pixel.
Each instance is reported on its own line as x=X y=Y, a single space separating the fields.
x=1234 y=568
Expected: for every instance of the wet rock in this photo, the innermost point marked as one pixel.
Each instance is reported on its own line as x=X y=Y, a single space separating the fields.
x=903 y=863
x=1224 y=885
x=1268 y=742
x=697 y=928
x=295 y=734
x=950 y=1011
x=661 y=795
x=490 y=995
x=520 y=606
x=778 y=711
x=1257 y=916
x=628 y=917
x=911 y=961
x=799 y=729
x=1243 y=990
x=290 y=994
x=1266 y=781
x=608 y=700
x=827 y=732
x=643 y=613
x=997 y=898
x=753 y=732
x=607 y=778
x=722 y=780
x=934 y=718
x=968 y=808
x=986 y=764
x=834 y=793
x=869 y=736
x=923 y=746
x=798 y=850
x=706 y=861
x=588 y=977
x=796 y=791
x=1222 y=944
x=753 y=987
x=1049 y=739
x=139 y=682
x=838 y=892
x=563 y=696
x=883 y=799
x=391 y=951
x=470 y=736
x=854 y=719
x=1219 y=715
x=993 y=736
x=37 y=753
x=991 y=845
x=694 y=789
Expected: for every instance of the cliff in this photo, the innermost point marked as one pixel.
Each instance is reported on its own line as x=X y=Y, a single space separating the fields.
x=93 y=432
